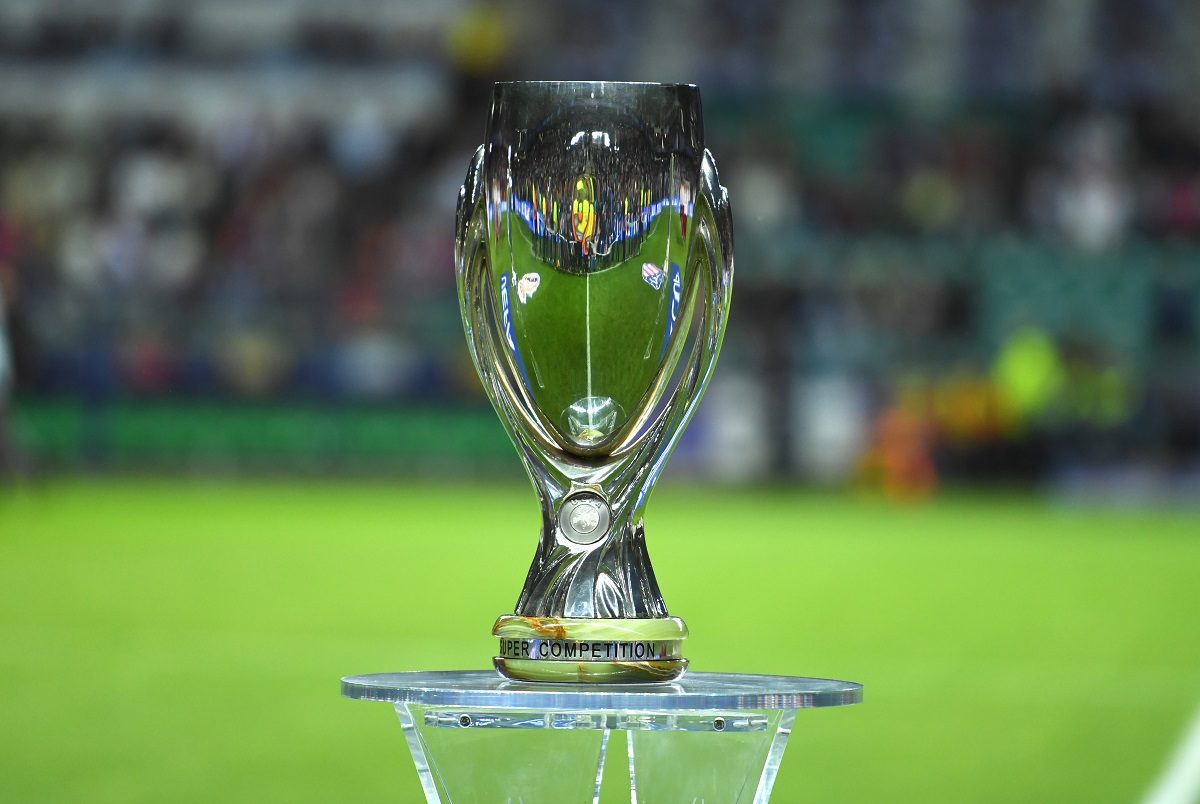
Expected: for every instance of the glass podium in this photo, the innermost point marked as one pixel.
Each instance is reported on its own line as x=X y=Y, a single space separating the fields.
x=707 y=737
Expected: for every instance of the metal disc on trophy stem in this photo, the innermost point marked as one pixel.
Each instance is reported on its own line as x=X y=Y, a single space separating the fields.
x=584 y=518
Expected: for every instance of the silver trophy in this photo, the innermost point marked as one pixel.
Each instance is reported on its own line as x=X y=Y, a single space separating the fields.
x=594 y=251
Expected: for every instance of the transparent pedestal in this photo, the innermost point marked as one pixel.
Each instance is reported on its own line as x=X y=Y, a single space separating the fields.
x=707 y=737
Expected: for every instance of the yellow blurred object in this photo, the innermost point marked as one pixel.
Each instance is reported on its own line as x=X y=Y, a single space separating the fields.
x=1029 y=373
x=583 y=211
x=478 y=40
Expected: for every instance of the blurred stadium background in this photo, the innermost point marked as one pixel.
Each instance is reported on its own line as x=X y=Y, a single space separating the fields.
x=952 y=449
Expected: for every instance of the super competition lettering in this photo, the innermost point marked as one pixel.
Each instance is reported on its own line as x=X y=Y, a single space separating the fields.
x=586 y=650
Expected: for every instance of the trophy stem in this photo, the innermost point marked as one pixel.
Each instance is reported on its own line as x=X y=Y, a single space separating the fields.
x=591 y=609
x=610 y=578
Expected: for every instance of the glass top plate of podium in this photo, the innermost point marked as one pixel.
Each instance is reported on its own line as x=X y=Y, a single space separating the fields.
x=713 y=737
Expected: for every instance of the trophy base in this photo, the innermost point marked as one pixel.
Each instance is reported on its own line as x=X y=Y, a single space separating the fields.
x=582 y=651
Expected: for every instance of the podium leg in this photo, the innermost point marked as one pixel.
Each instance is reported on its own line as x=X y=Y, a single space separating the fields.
x=530 y=756
x=420 y=758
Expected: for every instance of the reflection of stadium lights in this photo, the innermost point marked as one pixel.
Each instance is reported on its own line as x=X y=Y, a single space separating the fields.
x=597 y=138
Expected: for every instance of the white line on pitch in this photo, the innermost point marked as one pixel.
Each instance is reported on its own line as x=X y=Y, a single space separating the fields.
x=1180 y=779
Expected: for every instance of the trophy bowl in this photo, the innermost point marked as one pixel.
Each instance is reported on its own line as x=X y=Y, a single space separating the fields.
x=594 y=256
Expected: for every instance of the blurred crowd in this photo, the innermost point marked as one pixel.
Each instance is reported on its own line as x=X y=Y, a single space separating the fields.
x=248 y=260
x=976 y=222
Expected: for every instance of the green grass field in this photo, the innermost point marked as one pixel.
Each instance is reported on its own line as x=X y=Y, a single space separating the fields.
x=161 y=641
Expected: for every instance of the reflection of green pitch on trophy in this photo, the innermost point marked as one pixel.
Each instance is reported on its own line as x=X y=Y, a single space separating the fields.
x=595 y=257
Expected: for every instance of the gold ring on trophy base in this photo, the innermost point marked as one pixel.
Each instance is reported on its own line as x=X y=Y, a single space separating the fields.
x=590 y=672
x=578 y=649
